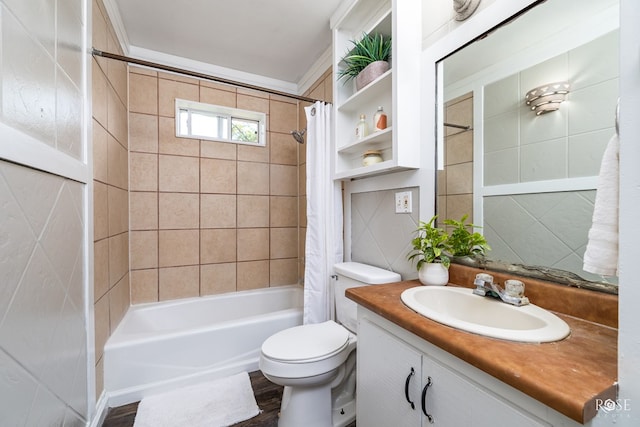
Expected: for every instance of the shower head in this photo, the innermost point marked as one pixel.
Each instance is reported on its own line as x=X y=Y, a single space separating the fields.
x=298 y=135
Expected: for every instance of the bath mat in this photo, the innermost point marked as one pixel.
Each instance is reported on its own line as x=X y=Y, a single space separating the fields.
x=217 y=403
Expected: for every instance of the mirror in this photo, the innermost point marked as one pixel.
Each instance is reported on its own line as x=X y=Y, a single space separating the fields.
x=529 y=180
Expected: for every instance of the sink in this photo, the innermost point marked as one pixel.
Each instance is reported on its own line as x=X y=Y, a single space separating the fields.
x=461 y=309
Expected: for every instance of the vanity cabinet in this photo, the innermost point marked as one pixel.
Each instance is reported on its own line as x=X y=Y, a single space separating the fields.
x=397 y=90
x=392 y=373
x=389 y=379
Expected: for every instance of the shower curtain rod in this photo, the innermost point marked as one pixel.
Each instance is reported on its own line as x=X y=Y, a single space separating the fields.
x=108 y=55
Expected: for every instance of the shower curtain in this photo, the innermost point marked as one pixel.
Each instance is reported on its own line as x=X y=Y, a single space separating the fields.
x=323 y=246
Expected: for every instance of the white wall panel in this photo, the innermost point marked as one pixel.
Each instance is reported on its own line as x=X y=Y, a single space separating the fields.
x=28 y=82
x=44 y=348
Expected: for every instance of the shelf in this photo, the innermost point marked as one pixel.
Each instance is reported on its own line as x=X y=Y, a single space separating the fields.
x=366 y=170
x=376 y=89
x=397 y=90
x=374 y=141
x=367 y=16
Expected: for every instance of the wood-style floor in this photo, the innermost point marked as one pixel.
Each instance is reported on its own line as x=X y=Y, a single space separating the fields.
x=268 y=397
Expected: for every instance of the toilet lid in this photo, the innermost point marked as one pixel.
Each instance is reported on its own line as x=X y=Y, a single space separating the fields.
x=307 y=342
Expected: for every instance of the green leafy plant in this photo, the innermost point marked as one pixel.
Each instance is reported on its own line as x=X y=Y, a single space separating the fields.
x=370 y=48
x=464 y=242
x=430 y=245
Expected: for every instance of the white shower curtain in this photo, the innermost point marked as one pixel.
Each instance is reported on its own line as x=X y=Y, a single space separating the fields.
x=324 y=217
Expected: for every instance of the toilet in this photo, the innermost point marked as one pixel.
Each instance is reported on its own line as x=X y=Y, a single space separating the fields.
x=316 y=362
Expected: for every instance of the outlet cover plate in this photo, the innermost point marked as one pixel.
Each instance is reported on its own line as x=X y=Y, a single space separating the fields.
x=403 y=202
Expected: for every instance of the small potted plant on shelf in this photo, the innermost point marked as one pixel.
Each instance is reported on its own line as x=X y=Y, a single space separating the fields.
x=430 y=248
x=463 y=242
x=367 y=60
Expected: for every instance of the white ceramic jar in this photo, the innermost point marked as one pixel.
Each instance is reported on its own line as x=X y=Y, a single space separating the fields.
x=371 y=157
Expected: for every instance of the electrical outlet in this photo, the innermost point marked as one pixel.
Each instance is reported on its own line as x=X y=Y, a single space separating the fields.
x=403 y=202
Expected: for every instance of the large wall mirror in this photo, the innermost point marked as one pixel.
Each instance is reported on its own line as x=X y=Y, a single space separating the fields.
x=528 y=176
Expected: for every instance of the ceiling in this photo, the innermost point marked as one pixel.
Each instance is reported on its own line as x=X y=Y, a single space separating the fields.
x=277 y=39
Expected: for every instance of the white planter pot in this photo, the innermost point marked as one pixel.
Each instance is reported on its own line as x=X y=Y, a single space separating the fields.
x=370 y=73
x=433 y=274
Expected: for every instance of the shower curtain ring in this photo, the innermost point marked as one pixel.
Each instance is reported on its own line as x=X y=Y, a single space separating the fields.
x=313 y=111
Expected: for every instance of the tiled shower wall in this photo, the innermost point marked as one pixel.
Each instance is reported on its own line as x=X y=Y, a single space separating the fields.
x=455 y=182
x=110 y=186
x=209 y=217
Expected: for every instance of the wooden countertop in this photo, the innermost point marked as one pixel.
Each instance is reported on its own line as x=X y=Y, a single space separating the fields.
x=567 y=375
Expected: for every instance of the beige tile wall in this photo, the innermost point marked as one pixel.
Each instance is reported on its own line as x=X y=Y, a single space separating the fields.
x=209 y=217
x=455 y=182
x=110 y=195
x=175 y=217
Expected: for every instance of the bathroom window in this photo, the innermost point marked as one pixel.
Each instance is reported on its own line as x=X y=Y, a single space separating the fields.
x=206 y=121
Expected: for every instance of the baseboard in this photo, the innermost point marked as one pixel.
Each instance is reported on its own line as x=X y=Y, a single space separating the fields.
x=100 y=414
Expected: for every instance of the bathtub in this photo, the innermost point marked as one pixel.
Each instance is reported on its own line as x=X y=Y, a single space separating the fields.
x=160 y=346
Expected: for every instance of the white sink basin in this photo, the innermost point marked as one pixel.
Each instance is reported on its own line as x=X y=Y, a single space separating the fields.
x=461 y=309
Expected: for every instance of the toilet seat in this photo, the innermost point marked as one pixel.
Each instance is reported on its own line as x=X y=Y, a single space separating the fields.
x=306 y=351
x=306 y=343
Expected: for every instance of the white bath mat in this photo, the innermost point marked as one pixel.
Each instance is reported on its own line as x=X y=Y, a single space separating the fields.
x=218 y=403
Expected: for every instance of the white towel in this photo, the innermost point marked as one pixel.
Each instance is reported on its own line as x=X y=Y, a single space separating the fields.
x=217 y=403
x=601 y=256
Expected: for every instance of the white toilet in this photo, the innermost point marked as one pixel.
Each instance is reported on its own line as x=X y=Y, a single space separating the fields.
x=316 y=363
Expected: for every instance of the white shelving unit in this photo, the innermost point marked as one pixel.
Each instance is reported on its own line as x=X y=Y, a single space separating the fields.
x=397 y=90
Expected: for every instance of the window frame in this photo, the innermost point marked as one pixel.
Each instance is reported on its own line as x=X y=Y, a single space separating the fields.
x=222 y=112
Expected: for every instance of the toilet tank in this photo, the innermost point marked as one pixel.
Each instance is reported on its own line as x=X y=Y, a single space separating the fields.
x=352 y=275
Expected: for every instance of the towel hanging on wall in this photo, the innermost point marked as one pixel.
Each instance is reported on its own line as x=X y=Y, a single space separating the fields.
x=601 y=255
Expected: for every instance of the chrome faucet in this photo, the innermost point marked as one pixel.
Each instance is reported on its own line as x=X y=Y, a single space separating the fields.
x=512 y=294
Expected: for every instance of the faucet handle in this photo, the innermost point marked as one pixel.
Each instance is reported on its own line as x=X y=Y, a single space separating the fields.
x=482 y=279
x=514 y=288
x=483 y=282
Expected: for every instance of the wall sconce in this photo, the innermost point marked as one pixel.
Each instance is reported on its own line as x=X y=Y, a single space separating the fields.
x=547 y=98
x=464 y=8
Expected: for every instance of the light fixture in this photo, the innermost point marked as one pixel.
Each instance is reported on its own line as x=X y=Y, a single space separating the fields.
x=464 y=8
x=547 y=98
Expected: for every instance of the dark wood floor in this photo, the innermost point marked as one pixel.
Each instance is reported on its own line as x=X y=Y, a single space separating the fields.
x=268 y=397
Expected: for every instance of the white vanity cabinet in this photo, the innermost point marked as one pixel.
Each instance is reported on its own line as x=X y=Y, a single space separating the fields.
x=441 y=395
x=453 y=400
x=397 y=90
x=389 y=378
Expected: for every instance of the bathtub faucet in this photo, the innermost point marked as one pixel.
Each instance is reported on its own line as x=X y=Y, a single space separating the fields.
x=512 y=294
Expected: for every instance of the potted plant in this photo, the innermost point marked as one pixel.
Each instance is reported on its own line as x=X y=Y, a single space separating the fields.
x=430 y=251
x=462 y=241
x=368 y=59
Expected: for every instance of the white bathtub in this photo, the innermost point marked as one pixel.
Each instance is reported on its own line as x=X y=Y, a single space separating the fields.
x=161 y=346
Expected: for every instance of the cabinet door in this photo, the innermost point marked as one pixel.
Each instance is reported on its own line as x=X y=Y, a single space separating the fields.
x=448 y=399
x=389 y=377
x=453 y=401
x=489 y=409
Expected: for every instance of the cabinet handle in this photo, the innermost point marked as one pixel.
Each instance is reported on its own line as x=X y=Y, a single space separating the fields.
x=406 y=388
x=424 y=400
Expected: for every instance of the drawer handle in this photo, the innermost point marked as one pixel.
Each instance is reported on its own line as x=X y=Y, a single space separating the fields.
x=406 y=388
x=424 y=400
